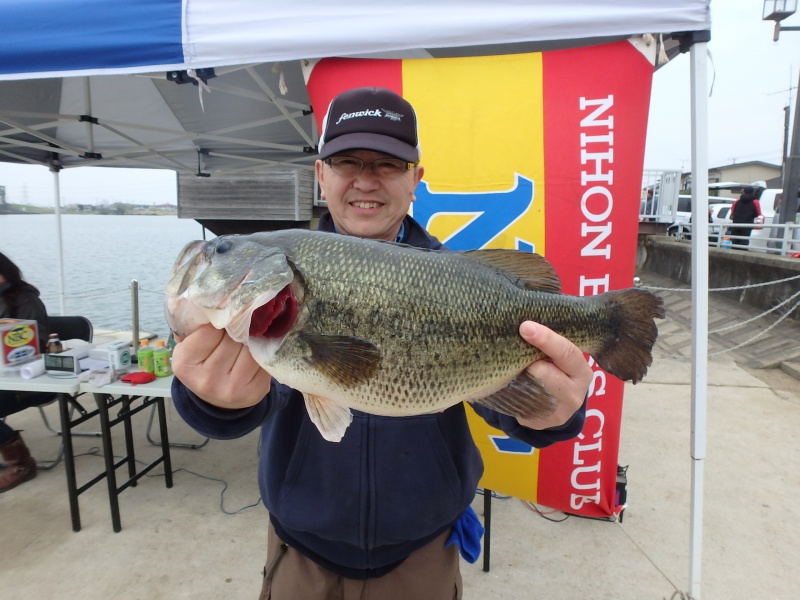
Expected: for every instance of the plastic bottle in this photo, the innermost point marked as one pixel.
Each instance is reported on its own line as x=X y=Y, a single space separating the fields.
x=145 y=356
x=171 y=343
x=54 y=345
x=161 y=366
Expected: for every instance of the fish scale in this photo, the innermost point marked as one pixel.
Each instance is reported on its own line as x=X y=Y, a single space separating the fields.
x=455 y=332
x=393 y=330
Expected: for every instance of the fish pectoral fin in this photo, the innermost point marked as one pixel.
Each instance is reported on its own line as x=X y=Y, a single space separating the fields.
x=343 y=359
x=524 y=269
x=331 y=419
x=525 y=397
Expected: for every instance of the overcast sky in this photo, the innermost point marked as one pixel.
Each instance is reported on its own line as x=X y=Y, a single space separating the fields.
x=753 y=77
x=753 y=80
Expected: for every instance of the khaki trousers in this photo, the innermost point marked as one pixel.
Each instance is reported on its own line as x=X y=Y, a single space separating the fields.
x=430 y=573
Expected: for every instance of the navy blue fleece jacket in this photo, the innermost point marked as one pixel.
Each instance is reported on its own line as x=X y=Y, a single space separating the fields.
x=361 y=506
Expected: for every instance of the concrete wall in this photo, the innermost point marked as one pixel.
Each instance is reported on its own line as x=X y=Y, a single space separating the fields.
x=726 y=268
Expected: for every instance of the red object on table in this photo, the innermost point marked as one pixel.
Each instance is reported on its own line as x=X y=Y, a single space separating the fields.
x=138 y=377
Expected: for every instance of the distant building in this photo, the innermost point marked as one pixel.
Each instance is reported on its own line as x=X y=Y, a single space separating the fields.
x=743 y=172
x=278 y=198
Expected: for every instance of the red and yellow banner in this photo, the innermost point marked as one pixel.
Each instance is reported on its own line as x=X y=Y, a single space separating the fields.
x=540 y=152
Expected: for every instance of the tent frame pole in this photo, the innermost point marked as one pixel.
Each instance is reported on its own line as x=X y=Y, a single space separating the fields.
x=54 y=168
x=699 y=101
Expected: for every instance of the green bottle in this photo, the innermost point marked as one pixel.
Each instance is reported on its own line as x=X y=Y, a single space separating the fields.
x=161 y=363
x=145 y=356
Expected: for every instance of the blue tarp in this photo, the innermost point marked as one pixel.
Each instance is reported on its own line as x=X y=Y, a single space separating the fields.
x=49 y=38
x=67 y=35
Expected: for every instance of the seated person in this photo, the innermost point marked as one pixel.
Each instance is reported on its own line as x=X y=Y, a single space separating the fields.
x=18 y=300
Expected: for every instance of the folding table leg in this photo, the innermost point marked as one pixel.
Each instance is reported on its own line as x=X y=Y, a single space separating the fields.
x=162 y=423
x=126 y=423
x=108 y=452
x=69 y=461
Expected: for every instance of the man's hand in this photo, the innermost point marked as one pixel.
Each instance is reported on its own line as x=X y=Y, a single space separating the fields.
x=219 y=370
x=565 y=373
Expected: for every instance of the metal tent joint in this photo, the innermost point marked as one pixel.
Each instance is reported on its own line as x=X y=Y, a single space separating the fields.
x=200 y=172
x=181 y=77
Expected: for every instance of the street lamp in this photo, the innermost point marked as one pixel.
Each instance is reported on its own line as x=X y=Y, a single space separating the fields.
x=778 y=10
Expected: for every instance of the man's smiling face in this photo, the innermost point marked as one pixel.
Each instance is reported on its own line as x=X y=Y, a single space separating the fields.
x=367 y=205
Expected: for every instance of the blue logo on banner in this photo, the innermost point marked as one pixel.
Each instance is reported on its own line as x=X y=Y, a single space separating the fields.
x=508 y=445
x=492 y=212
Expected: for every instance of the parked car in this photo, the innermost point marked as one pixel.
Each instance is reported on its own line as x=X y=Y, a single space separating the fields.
x=770 y=200
x=681 y=228
x=718 y=213
x=683 y=210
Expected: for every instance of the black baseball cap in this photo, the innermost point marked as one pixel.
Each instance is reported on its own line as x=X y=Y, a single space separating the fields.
x=370 y=118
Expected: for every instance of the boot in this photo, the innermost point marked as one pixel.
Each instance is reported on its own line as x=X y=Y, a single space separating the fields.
x=20 y=466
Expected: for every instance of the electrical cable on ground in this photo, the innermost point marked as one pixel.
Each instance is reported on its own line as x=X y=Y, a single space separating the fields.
x=95 y=451
x=655 y=566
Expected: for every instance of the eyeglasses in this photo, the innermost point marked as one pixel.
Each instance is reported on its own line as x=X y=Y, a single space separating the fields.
x=385 y=168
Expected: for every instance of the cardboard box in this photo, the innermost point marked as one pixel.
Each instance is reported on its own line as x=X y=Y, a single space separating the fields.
x=19 y=340
x=118 y=354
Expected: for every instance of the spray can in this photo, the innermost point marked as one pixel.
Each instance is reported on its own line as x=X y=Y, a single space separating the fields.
x=145 y=356
x=161 y=364
x=54 y=345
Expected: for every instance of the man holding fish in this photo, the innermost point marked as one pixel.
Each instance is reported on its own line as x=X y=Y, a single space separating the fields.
x=365 y=502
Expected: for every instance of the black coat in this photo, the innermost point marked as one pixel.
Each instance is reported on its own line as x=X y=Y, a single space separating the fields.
x=745 y=209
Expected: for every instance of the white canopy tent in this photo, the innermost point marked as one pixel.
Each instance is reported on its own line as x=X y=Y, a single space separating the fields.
x=200 y=86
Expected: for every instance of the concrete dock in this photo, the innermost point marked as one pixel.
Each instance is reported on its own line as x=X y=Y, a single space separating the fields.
x=193 y=541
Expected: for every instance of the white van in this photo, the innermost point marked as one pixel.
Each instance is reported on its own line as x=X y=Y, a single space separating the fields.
x=681 y=228
x=683 y=211
x=759 y=239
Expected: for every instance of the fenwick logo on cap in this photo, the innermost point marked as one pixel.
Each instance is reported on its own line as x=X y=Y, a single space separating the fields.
x=394 y=116
x=370 y=118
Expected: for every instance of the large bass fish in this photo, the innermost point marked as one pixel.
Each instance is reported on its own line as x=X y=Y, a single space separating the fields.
x=394 y=330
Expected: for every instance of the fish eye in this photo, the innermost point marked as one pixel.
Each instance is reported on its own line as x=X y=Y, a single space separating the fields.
x=224 y=246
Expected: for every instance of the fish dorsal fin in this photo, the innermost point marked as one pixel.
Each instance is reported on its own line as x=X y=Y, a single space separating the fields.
x=524 y=397
x=526 y=270
x=345 y=360
x=331 y=419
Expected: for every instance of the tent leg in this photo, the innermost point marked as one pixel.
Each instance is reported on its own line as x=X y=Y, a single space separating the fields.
x=699 y=96
x=57 y=203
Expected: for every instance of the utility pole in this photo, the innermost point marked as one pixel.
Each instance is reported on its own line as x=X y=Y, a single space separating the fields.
x=791 y=172
x=786 y=118
x=778 y=10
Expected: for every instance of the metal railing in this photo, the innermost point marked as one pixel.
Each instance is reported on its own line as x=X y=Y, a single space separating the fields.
x=780 y=239
x=664 y=186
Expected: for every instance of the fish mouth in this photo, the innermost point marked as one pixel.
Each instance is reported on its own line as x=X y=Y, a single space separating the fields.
x=274 y=319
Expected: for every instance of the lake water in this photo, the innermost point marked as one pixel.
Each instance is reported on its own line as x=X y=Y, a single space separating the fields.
x=102 y=254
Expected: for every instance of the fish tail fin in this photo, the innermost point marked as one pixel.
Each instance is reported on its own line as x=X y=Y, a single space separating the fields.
x=627 y=352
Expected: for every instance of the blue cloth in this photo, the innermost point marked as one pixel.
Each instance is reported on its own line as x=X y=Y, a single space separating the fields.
x=467 y=534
